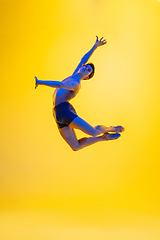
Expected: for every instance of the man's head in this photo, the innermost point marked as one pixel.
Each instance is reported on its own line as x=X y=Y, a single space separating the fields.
x=87 y=71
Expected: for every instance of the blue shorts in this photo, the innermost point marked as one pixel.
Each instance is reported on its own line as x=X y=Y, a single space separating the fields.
x=64 y=114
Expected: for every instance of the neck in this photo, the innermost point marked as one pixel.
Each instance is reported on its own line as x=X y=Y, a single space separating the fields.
x=78 y=76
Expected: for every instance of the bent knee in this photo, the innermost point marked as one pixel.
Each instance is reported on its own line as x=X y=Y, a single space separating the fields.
x=76 y=147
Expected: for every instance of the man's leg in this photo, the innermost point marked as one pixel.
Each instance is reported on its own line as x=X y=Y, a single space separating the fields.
x=69 y=136
x=79 y=123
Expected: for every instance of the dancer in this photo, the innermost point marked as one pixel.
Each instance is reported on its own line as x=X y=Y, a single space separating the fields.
x=65 y=115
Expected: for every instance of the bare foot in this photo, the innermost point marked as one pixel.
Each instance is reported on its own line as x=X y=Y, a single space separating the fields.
x=104 y=129
x=36 y=82
x=111 y=136
x=117 y=129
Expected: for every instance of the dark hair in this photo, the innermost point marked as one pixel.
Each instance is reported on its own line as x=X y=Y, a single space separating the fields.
x=93 y=68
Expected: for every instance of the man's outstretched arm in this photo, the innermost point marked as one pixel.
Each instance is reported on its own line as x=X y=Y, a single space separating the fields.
x=72 y=85
x=87 y=56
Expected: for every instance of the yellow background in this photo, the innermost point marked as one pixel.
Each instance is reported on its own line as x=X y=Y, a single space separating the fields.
x=109 y=190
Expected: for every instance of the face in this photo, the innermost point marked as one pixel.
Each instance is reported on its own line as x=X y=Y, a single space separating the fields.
x=85 y=70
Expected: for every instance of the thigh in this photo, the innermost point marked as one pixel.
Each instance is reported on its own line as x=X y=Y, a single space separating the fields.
x=69 y=136
x=79 y=123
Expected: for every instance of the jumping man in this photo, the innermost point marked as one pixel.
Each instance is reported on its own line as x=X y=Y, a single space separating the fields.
x=65 y=115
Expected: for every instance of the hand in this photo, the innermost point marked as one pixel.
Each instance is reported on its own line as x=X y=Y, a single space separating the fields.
x=36 y=82
x=100 y=42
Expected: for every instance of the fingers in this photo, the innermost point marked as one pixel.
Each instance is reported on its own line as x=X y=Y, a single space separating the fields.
x=104 y=41
x=35 y=82
x=101 y=40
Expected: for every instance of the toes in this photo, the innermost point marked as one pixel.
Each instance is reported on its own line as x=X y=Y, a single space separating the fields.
x=119 y=129
x=112 y=136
